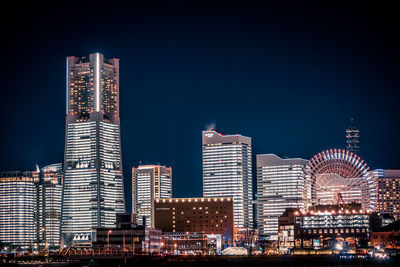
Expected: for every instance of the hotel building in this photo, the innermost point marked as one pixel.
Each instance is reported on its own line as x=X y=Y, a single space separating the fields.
x=195 y=215
x=388 y=186
x=93 y=190
x=227 y=172
x=149 y=182
x=280 y=185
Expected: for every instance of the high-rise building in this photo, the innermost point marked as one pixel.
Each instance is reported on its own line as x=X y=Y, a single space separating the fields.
x=17 y=209
x=280 y=185
x=93 y=190
x=353 y=138
x=227 y=172
x=388 y=187
x=30 y=208
x=48 y=186
x=149 y=182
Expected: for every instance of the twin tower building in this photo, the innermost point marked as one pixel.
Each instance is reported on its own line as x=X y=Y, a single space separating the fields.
x=93 y=187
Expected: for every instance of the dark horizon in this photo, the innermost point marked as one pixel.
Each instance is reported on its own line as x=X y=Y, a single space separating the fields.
x=288 y=75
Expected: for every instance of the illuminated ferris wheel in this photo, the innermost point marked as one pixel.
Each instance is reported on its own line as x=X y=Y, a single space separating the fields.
x=338 y=176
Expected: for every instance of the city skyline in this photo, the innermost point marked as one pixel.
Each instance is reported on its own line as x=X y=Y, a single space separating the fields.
x=158 y=72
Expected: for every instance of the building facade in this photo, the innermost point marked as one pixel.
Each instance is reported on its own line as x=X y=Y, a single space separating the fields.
x=323 y=226
x=93 y=190
x=280 y=185
x=17 y=209
x=388 y=187
x=48 y=189
x=195 y=215
x=128 y=236
x=30 y=208
x=149 y=182
x=227 y=172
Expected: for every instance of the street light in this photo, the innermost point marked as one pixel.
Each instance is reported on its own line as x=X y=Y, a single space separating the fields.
x=108 y=238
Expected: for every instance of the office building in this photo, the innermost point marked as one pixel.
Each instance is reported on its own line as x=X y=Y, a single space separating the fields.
x=48 y=188
x=30 y=208
x=388 y=187
x=212 y=216
x=93 y=190
x=353 y=138
x=17 y=209
x=227 y=172
x=280 y=185
x=149 y=182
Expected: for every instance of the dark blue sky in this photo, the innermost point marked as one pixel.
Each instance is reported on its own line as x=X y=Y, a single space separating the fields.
x=288 y=75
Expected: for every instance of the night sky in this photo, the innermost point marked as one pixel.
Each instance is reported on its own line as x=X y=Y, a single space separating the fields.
x=288 y=75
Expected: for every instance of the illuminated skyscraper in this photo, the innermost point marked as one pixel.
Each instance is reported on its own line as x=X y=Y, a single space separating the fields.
x=280 y=185
x=352 y=138
x=227 y=173
x=149 y=182
x=93 y=190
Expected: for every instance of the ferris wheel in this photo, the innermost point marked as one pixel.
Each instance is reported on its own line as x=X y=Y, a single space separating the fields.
x=337 y=175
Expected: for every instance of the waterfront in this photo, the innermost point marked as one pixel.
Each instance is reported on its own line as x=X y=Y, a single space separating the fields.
x=266 y=261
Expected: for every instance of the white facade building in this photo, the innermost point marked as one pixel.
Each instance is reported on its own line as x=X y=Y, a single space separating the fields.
x=93 y=191
x=280 y=185
x=30 y=208
x=227 y=173
x=149 y=182
x=17 y=209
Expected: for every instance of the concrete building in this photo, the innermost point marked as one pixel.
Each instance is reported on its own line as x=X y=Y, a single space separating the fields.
x=149 y=182
x=93 y=190
x=227 y=172
x=280 y=185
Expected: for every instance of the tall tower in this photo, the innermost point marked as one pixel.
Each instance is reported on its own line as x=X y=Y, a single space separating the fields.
x=93 y=190
x=352 y=138
x=149 y=182
x=280 y=185
x=227 y=173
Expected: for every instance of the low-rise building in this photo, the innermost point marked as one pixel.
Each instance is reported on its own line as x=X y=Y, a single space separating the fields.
x=322 y=226
x=128 y=236
x=210 y=216
x=387 y=237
